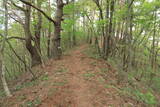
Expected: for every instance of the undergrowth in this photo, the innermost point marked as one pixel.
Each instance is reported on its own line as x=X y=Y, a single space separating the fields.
x=139 y=84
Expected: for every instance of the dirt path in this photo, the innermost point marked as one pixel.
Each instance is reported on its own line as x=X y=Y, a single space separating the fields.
x=84 y=86
x=80 y=95
x=74 y=81
x=79 y=87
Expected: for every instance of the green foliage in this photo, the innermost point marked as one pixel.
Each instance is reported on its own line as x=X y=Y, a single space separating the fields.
x=92 y=52
x=68 y=23
x=31 y=83
x=44 y=78
x=88 y=75
x=19 y=87
x=155 y=84
x=69 y=9
x=61 y=70
x=2 y=93
x=76 y=24
x=27 y=84
x=148 y=97
x=33 y=103
x=62 y=83
x=1 y=20
x=101 y=23
x=21 y=98
x=104 y=70
x=121 y=12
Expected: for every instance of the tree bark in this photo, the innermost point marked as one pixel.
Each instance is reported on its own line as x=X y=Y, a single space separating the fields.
x=34 y=52
x=49 y=32
x=73 y=27
x=110 y=30
x=2 y=66
x=56 y=51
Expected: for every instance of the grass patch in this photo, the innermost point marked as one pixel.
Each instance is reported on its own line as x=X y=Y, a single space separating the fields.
x=31 y=83
x=44 y=78
x=101 y=80
x=94 y=63
x=33 y=103
x=147 y=98
x=104 y=69
x=60 y=83
x=88 y=76
x=52 y=91
x=92 y=52
x=21 y=98
x=27 y=84
x=61 y=70
x=2 y=94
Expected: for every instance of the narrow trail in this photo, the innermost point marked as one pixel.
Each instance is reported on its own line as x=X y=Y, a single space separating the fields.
x=78 y=84
x=74 y=81
x=79 y=88
x=83 y=91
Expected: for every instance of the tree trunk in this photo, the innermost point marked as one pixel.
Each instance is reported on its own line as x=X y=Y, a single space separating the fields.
x=34 y=52
x=38 y=27
x=127 y=61
x=56 y=51
x=110 y=31
x=4 y=82
x=153 y=56
x=73 y=27
x=49 y=41
x=49 y=32
x=2 y=46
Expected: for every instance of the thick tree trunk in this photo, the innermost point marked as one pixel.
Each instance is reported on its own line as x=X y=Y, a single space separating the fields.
x=32 y=48
x=56 y=51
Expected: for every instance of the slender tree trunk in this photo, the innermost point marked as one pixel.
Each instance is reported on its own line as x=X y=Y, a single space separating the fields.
x=153 y=59
x=49 y=40
x=127 y=61
x=73 y=27
x=110 y=29
x=102 y=28
x=38 y=27
x=49 y=33
x=106 y=31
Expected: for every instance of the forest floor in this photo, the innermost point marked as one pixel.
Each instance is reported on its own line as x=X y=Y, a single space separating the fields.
x=76 y=80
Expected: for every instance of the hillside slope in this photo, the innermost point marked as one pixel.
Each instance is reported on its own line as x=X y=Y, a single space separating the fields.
x=76 y=80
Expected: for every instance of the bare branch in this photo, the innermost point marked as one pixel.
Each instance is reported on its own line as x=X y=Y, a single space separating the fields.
x=14 y=37
x=48 y=17
x=17 y=20
x=20 y=8
x=131 y=3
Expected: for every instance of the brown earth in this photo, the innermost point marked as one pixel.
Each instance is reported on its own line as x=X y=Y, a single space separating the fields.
x=74 y=81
